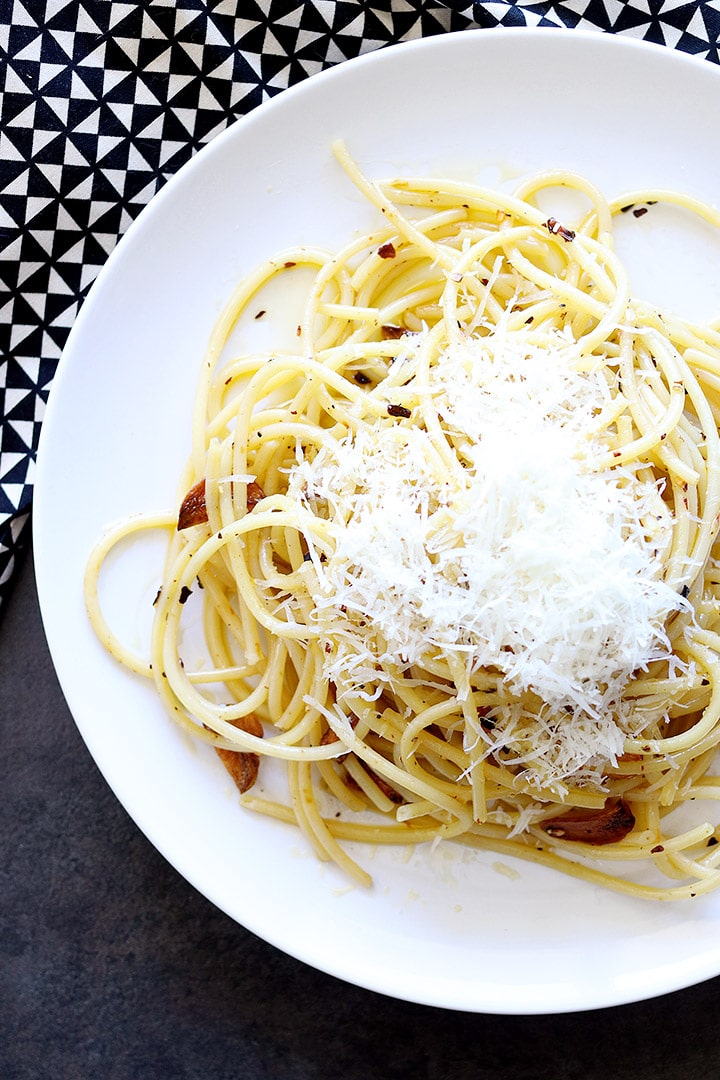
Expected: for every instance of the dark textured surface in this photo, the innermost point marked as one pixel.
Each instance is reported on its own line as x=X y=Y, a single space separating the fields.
x=112 y=966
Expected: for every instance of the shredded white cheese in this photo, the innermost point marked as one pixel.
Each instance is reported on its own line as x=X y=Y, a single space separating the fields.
x=478 y=529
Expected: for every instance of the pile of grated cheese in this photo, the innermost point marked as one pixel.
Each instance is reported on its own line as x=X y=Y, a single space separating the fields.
x=487 y=538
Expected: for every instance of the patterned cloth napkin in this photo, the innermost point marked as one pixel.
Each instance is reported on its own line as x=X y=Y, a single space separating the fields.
x=101 y=101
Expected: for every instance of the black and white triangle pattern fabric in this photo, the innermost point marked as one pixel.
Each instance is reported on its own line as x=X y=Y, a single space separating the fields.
x=101 y=101
x=690 y=27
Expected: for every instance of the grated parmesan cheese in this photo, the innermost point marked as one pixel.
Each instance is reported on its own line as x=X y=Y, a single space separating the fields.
x=478 y=532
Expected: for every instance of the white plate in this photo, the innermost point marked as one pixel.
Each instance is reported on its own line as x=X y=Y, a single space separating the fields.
x=444 y=927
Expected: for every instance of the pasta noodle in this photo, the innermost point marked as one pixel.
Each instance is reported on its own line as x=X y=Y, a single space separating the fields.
x=457 y=550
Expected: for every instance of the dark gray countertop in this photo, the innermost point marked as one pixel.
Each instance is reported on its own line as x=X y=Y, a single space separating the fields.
x=112 y=966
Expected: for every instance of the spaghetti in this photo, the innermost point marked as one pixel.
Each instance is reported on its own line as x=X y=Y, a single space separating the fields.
x=458 y=550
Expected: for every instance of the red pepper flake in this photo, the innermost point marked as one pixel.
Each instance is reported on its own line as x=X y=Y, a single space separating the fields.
x=387 y=251
x=657 y=849
x=289 y=265
x=556 y=229
x=399 y=410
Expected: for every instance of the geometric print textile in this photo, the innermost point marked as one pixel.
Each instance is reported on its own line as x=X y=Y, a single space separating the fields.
x=102 y=101
x=690 y=27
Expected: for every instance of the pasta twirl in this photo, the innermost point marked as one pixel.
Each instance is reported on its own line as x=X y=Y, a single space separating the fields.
x=458 y=548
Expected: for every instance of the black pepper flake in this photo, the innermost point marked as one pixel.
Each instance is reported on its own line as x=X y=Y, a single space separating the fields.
x=307 y=557
x=157 y=597
x=639 y=211
x=685 y=591
x=361 y=378
x=624 y=209
x=185 y=594
x=712 y=841
x=399 y=410
x=261 y=313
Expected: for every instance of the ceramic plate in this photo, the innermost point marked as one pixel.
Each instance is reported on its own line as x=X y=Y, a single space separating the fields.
x=446 y=926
